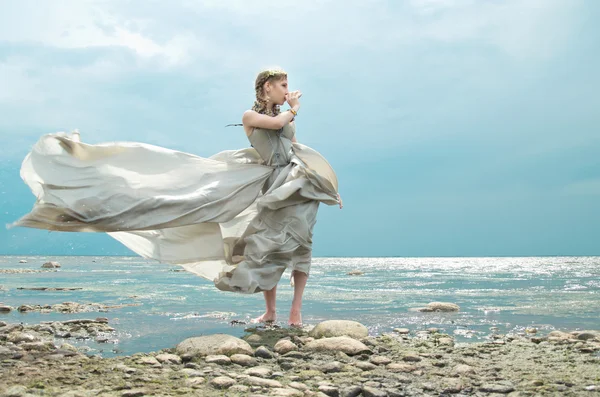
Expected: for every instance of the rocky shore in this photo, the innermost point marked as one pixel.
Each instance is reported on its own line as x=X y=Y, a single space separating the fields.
x=335 y=358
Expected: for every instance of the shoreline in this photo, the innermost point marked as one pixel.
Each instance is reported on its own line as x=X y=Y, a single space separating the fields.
x=335 y=358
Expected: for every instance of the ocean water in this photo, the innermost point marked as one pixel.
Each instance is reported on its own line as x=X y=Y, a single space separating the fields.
x=168 y=305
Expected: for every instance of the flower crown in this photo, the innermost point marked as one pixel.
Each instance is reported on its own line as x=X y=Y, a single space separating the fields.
x=274 y=72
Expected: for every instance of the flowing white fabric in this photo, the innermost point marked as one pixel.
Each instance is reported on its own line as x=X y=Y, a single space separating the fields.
x=233 y=218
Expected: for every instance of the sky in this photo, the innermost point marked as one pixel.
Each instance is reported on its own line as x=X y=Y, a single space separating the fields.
x=456 y=127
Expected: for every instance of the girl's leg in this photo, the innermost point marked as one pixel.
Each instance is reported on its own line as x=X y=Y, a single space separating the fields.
x=270 y=314
x=300 y=279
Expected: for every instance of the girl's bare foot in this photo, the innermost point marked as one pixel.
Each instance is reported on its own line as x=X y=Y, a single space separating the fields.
x=295 y=319
x=265 y=318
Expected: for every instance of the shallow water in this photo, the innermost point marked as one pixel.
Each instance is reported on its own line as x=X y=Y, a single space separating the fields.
x=509 y=293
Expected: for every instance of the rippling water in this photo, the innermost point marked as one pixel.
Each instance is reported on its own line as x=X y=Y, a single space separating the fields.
x=509 y=293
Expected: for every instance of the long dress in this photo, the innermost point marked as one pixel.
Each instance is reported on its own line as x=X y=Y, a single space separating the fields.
x=239 y=218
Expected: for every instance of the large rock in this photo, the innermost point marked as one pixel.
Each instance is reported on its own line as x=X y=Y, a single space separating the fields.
x=336 y=344
x=217 y=344
x=51 y=265
x=332 y=328
x=438 y=307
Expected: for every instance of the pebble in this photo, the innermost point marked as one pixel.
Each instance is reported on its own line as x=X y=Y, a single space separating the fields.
x=219 y=359
x=222 y=382
x=263 y=352
x=243 y=360
x=261 y=372
x=284 y=346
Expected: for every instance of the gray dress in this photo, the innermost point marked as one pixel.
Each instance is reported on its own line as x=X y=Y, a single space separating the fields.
x=239 y=218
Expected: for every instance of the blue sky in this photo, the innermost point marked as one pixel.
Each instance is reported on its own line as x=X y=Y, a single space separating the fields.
x=456 y=127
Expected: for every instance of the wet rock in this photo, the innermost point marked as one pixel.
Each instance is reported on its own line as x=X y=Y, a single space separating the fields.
x=51 y=265
x=284 y=346
x=5 y=309
x=438 y=307
x=263 y=352
x=222 y=382
x=213 y=344
x=355 y=273
x=22 y=261
x=340 y=343
x=402 y=331
x=19 y=337
x=333 y=328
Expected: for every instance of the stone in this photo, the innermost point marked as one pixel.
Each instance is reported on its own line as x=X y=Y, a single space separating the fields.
x=284 y=346
x=19 y=337
x=192 y=373
x=51 y=265
x=298 y=386
x=151 y=361
x=22 y=261
x=263 y=352
x=402 y=331
x=331 y=391
x=286 y=392
x=365 y=366
x=333 y=328
x=373 y=392
x=588 y=335
x=195 y=382
x=380 y=360
x=445 y=341
x=340 y=343
x=411 y=357
x=334 y=366
x=15 y=391
x=5 y=309
x=239 y=389
x=219 y=359
x=243 y=360
x=400 y=367
x=351 y=391
x=261 y=372
x=213 y=345
x=133 y=393
x=452 y=386
x=255 y=381
x=222 y=382
x=439 y=307
x=168 y=358
x=463 y=369
x=496 y=388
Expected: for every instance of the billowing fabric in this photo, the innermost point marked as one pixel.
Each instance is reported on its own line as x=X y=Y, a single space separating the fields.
x=238 y=218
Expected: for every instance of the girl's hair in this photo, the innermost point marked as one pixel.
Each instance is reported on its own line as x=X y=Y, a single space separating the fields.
x=261 y=104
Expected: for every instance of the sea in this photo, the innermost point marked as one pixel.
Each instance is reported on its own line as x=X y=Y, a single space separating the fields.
x=160 y=305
